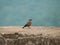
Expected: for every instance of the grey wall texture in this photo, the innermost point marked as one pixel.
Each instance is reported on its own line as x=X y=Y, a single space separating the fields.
x=42 y=12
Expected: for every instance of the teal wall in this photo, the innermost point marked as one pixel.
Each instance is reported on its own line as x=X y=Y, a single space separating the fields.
x=42 y=12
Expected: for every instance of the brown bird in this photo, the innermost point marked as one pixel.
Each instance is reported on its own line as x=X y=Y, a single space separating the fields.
x=28 y=24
